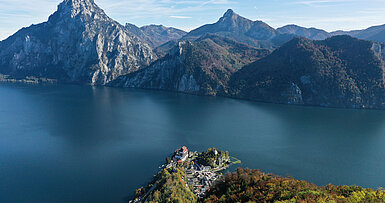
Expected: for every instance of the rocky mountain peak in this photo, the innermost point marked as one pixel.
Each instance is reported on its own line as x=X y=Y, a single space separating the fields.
x=229 y=13
x=79 y=44
x=84 y=8
x=241 y=29
x=231 y=16
x=232 y=22
x=79 y=3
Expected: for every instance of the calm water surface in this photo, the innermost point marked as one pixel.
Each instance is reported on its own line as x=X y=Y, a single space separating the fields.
x=96 y=144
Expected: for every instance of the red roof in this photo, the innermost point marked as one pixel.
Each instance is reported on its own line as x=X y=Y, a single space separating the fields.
x=184 y=148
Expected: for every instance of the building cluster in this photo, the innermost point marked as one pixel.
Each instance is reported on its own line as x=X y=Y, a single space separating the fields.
x=201 y=178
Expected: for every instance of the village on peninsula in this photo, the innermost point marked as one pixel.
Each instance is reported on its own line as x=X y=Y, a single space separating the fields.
x=194 y=172
x=194 y=177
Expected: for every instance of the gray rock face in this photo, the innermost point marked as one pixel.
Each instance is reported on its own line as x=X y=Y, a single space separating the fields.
x=379 y=49
x=293 y=94
x=168 y=73
x=188 y=84
x=78 y=44
x=164 y=74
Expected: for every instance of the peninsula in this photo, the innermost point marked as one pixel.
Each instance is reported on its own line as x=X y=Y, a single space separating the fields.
x=195 y=177
x=186 y=173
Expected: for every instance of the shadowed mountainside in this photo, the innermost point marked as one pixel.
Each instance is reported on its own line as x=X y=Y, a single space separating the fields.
x=203 y=66
x=338 y=72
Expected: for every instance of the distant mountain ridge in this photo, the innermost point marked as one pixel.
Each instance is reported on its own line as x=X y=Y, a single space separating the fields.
x=310 y=33
x=254 y=33
x=232 y=25
x=260 y=34
x=156 y=35
x=374 y=33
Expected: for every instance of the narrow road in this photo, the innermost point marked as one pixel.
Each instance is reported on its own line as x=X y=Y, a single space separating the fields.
x=145 y=196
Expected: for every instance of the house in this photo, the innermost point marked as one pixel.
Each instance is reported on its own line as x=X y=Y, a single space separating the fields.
x=181 y=154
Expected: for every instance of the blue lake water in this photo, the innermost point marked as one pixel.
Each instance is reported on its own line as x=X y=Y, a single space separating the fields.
x=63 y=143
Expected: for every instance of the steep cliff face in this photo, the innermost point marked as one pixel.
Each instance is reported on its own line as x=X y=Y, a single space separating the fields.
x=79 y=43
x=379 y=50
x=338 y=72
x=200 y=67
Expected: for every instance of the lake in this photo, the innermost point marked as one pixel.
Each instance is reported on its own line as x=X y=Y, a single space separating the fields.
x=64 y=143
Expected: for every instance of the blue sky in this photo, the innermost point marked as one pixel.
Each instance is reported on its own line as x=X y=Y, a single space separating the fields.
x=188 y=14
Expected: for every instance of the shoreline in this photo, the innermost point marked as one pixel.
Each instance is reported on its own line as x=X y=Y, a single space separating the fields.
x=37 y=81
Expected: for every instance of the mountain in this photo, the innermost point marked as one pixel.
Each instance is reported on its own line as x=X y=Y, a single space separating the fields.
x=231 y=25
x=78 y=44
x=375 y=33
x=311 y=33
x=161 y=34
x=156 y=35
x=165 y=48
x=201 y=67
x=338 y=72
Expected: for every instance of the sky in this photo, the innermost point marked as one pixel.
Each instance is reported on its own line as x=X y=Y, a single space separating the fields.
x=329 y=15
